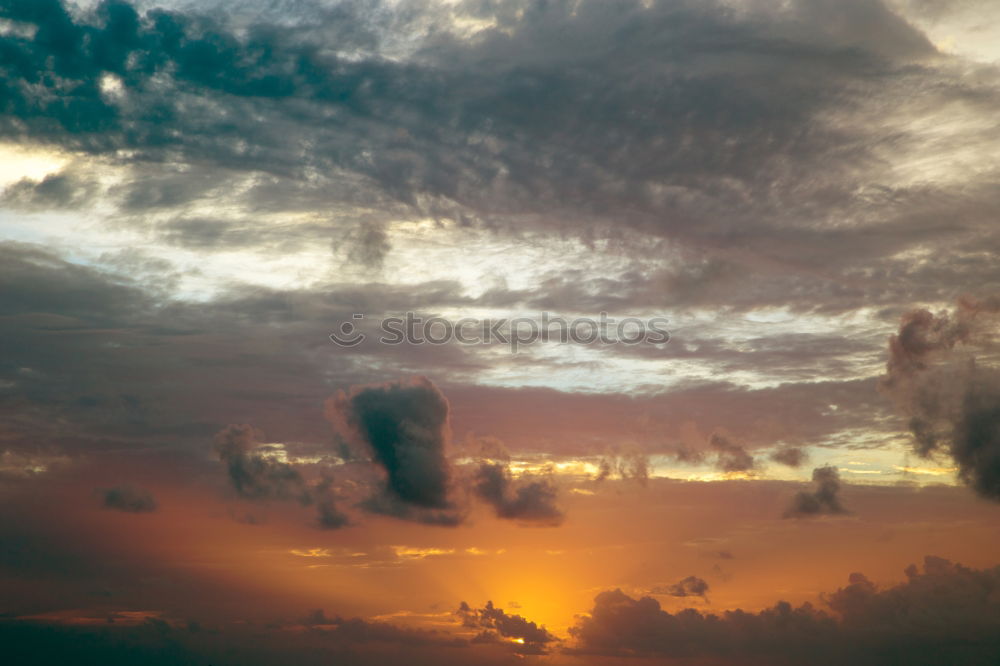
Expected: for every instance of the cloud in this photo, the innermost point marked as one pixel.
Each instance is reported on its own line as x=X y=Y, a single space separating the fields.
x=946 y=614
x=404 y=426
x=329 y=516
x=691 y=586
x=159 y=640
x=357 y=630
x=63 y=190
x=253 y=474
x=498 y=624
x=792 y=456
x=256 y=475
x=823 y=501
x=525 y=500
x=759 y=125
x=941 y=375
x=630 y=466
x=731 y=457
x=128 y=498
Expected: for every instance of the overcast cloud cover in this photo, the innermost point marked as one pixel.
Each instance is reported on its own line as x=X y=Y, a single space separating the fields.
x=195 y=195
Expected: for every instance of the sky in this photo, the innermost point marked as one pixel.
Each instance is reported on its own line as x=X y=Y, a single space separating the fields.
x=778 y=219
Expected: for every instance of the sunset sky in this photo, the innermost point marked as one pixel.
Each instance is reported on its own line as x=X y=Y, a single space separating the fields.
x=196 y=195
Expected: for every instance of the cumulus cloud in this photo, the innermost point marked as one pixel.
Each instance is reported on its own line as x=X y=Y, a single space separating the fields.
x=404 y=427
x=496 y=624
x=824 y=500
x=942 y=375
x=945 y=614
x=131 y=499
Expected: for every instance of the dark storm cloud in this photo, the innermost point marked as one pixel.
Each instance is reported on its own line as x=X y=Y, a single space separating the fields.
x=404 y=426
x=496 y=623
x=941 y=374
x=128 y=498
x=822 y=501
x=946 y=614
x=252 y=473
x=691 y=586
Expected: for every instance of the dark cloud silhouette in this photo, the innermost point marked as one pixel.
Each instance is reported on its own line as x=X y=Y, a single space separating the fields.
x=691 y=586
x=822 y=501
x=935 y=377
x=792 y=456
x=527 y=500
x=731 y=457
x=404 y=426
x=253 y=474
x=946 y=614
x=164 y=641
x=495 y=623
x=131 y=499
x=357 y=630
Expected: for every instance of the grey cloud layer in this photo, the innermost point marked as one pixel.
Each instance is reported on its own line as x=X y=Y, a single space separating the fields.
x=749 y=137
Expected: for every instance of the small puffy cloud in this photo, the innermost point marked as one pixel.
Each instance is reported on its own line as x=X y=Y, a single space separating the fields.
x=691 y=586
x=254 y=475
x=731 y=456
x=824 y=500
x=526 y=500
x=791 y=456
